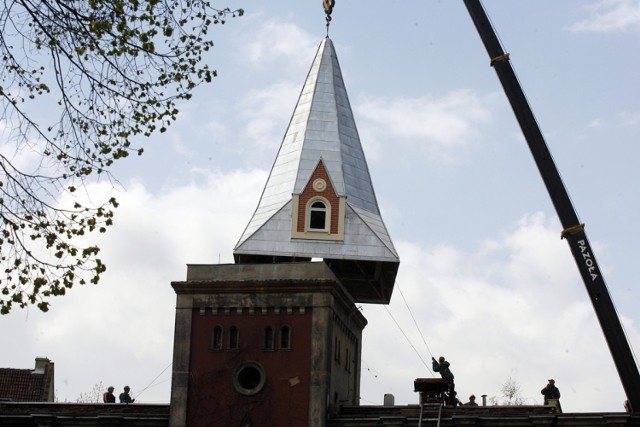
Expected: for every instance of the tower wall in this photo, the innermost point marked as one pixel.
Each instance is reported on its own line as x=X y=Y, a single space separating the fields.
x=213 y=395
x=228 y=369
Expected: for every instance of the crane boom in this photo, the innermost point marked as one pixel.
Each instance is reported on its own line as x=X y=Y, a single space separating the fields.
x=573 y=231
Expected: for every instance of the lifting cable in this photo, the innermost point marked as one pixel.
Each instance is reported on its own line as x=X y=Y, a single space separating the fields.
x=405 y=336
x=153 y=382
x=414 y=320
x=397 y=285
x=417 y=327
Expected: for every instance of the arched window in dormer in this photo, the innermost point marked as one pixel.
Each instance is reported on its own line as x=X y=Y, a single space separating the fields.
x=318 y=216
x=318 y=212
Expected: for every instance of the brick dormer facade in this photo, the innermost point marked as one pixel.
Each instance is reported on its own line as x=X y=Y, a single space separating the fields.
x=318 y=212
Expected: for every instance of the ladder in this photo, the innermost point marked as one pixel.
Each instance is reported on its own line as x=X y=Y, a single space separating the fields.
x=432 y=395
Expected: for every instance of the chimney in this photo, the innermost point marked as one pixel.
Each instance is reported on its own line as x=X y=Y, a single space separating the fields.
x=41 y=364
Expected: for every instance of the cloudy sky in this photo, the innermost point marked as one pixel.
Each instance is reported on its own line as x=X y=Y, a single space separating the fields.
x=484 y=278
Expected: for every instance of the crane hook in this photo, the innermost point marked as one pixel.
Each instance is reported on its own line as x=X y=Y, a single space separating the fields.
x=328 y=8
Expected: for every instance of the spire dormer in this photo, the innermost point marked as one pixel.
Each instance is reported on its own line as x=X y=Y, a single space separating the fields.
x=318 y=212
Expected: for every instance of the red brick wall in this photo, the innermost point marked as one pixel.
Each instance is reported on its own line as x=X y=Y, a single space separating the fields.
x=213 y=401
x=328 y=193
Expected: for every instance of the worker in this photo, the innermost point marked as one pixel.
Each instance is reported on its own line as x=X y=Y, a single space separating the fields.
x=442 y=366
x=125 y=397
x=108 y=396
x=550 y=391
x=472 y=401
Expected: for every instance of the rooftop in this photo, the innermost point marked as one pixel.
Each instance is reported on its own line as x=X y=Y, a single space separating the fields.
x=28 y=385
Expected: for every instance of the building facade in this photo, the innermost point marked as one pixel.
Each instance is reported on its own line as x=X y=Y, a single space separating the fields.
x=275 y=339
x=277 y=342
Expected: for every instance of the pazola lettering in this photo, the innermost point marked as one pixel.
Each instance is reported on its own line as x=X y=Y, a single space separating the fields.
x=588 y=260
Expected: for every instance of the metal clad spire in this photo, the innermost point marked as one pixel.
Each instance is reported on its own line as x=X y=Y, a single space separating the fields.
x=322 y=129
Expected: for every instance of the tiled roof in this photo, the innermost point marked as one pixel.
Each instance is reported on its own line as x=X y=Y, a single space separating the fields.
x=26 y=385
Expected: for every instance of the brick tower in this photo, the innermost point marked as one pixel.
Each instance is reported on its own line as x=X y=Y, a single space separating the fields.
x=275 y=339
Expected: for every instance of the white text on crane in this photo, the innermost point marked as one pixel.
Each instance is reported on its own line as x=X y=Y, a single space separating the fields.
x=588 y=260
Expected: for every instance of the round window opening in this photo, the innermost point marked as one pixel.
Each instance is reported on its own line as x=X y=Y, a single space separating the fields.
x=249 y=378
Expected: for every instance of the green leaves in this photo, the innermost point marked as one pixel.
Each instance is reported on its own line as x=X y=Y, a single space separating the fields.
x=116 y=70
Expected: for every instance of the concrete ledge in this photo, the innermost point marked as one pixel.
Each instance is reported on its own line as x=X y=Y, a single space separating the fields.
x=259 y=272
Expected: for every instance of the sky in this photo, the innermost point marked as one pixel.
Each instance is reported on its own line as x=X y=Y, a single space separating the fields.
x=484 y=279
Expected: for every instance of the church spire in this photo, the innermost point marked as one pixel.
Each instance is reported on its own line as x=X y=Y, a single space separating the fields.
x=319 y=201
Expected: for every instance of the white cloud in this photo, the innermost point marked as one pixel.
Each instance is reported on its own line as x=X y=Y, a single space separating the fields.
x=121 y=331
x=24 y=152
x=514 y=307
x=630 y=118
x=596 y=123
x=279 y=41
x=611 y=15
x=265 y=113
x=442 y=126
x=621 y=119
x=283 y=46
